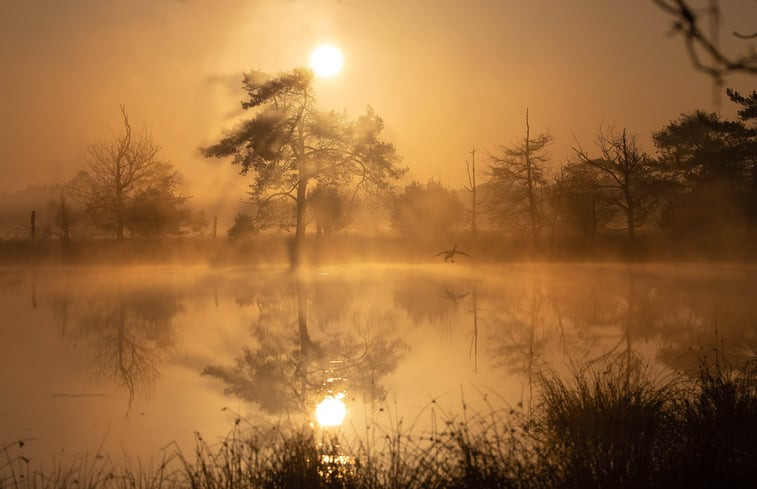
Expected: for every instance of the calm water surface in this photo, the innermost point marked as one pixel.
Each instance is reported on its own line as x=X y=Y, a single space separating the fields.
x=132 y=359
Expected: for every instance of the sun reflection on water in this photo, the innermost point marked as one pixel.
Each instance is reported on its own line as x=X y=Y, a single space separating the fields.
x=331 y=411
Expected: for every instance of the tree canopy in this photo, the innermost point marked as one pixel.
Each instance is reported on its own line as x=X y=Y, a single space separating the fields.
x=427 y=212
x=713 y=164
x=517 y=172
x=288 y=144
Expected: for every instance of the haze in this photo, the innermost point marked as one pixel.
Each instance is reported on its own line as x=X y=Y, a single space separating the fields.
x=444 y=75
x=484 y=244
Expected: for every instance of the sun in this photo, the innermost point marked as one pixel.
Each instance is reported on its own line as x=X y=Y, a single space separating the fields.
x=326 y=60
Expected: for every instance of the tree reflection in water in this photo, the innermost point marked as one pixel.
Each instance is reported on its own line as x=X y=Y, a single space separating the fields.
x=521 y=337
x=311 y=336
x=574 y=320
x=286 y=370
x=130 y=335
x=600 y=313
x=719 y=313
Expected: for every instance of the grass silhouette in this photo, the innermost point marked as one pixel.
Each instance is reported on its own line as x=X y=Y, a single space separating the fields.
x=611 y=425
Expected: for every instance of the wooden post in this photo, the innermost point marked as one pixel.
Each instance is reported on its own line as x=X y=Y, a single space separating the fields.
x=33 y=225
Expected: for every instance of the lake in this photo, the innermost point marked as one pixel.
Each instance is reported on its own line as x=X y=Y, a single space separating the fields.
x=129 y=360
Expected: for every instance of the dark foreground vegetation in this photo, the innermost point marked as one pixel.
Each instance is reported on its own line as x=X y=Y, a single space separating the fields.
x=616 y=425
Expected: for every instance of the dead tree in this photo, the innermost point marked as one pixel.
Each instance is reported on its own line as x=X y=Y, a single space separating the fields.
x=626 y=173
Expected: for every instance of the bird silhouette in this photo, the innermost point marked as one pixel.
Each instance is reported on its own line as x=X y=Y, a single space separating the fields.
x=449 y=255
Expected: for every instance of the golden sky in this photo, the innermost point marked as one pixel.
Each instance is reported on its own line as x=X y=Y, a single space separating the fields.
x=445 y=75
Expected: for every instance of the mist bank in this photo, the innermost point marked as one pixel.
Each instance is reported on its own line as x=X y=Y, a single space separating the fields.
x=277 y=250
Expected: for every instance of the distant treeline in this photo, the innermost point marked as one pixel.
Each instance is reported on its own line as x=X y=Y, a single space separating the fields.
x=696 y=196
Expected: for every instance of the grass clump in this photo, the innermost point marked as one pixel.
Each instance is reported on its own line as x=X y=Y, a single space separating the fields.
x=609 y=427
x=270 y=458
x=619 y=426
x=85 y=472
x=718 y=425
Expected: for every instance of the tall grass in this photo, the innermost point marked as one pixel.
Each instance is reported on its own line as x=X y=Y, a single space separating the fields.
x=93 y=472
x=718 y=424
x=609 y=427
x=616 y=425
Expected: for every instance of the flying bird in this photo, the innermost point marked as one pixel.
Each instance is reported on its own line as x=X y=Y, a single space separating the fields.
x=449 y=255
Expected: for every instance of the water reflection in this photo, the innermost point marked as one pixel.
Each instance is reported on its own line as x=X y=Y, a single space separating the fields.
x=287 y=367
x=520 y=337
x=721 y=313
x=368 y=332
x=590 y=314
x=129 y=336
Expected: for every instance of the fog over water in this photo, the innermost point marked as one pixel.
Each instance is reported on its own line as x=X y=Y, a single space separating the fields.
x=138 y=357
x=327 y=243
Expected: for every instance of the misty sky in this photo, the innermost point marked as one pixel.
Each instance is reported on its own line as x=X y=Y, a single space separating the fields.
x=444 y=74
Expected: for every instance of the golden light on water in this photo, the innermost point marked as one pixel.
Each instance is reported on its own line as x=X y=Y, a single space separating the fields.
x=326 y=60
x=331 y=411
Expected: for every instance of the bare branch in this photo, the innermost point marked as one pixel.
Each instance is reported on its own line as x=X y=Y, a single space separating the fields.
x=686 y=22
x=745 y=36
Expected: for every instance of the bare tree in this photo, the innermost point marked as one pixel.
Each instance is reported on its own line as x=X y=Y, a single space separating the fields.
x=519 y=171
x=473 y=189
x=120 y=173
x=626 y=172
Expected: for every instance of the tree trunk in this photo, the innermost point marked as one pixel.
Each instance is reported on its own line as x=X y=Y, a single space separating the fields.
x=555 y=214
x=120 y=228
x=530 y=186
x=65 y=234
x=630 y=214
x=474 y=230
x=630 y=202
x=119 y=209
x=302 y=187
x=299 y=237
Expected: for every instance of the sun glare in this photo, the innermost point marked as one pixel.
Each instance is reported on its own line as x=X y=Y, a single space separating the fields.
x=326 y=60
x=330 y=411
